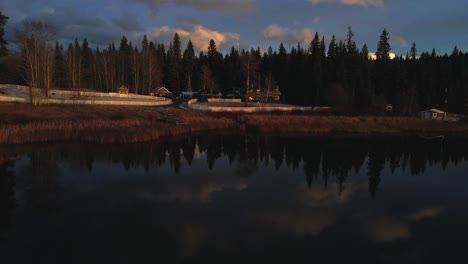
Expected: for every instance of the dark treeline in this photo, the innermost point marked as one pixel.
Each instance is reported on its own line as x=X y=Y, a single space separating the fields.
x=337 y=73
x=324 y=160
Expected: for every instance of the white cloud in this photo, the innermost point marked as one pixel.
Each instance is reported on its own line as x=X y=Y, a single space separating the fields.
x=364 y=3
x=199 y=35
x=425 y=214
x=223 y=6
x=316 y=20
x=388 y=229
x=287 y=35
x=398 y=40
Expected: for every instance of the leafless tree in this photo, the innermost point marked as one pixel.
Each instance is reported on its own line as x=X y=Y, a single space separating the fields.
x=250 y=66
x=270 y=82
x=74 y=65
x=37 y=50
x=209 y=81
x=108 y=70
x=136 y=69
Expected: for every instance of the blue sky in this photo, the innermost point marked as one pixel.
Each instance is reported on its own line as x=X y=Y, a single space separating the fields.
x=251 y=23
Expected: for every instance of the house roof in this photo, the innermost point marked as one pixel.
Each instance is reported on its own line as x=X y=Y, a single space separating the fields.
x=434 y=111
x=258 y=92
x=275 y=92
x=163 y=90
x=189 y=93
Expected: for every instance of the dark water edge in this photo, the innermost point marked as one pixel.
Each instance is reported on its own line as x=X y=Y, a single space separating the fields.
x=234 y=199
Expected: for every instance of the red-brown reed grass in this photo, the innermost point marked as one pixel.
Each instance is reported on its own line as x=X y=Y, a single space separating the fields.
x=23 y=123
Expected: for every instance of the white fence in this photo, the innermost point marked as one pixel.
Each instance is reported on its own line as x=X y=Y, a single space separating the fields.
x=83 y=97
x=218 y=100
x=193 y=104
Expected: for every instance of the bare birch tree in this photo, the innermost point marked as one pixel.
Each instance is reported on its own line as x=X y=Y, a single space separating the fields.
x=250 y=66
x=136 y=69
x=74 y=65
x=37 y=50
x=209 y=81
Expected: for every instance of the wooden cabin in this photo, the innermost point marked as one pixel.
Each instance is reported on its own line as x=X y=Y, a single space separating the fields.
x=161 y=92
x=123 y=90
x=433 y=114
x=262 y=96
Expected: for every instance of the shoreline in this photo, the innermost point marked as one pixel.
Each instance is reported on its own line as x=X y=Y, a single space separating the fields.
x=24 y=123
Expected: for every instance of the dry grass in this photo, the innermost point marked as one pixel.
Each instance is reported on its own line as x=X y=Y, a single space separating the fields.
x=359 y=125
x=23 y=123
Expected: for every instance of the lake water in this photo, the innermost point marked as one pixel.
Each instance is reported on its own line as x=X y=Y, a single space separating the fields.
x=225 y=199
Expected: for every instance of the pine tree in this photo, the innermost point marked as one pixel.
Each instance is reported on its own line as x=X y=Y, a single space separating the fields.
x=323 y=50
x=413 y=51
x=188 y=62
x=3 y=48
x=146 y=67
x=176 y=48
x=350 y=44
x=332 y=48
x=215 y=61
x=365 y=52
x=124 y=44
x=455 y=52
x=383 y=47
x=212 y=50
x=174 y=69
x=145 y=43
x=60 y=75
x=3 y=42
x=123 y=69
x=314 y=48
x=87 y=67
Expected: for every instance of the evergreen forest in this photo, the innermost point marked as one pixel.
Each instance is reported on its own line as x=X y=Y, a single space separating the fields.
x=333 y=73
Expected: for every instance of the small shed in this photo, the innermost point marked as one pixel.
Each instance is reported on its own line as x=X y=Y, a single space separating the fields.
x=259 y=95
x=189 y=95
x=433 y=114
x=274 y=95
x=162 y=92
x=123 y=90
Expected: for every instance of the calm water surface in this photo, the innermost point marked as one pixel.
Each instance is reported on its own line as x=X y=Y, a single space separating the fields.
x=236 y=200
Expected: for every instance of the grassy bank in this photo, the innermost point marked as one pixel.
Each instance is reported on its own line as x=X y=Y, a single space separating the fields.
x=23 y=123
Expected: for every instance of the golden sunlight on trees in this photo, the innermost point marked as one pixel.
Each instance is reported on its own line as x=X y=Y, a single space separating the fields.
x=37 y=50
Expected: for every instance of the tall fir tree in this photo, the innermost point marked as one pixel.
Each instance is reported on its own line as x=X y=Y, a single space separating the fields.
x=215 y=60
x=174 y=67
x=413 y=51
x=3 y=48
x=3 y=42
x=60 y=74
x=314 y=47
x=188 y=62
x=383 y=47
x=87 y=56
x=331 y=53
x=351 y=49
x=365 y=52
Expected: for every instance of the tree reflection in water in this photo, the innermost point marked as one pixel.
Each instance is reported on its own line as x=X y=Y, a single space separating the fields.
x=325 y=160
x=7 y=193
x=200 y=196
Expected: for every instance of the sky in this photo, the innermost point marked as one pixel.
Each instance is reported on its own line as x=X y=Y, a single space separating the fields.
x=250 y=23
